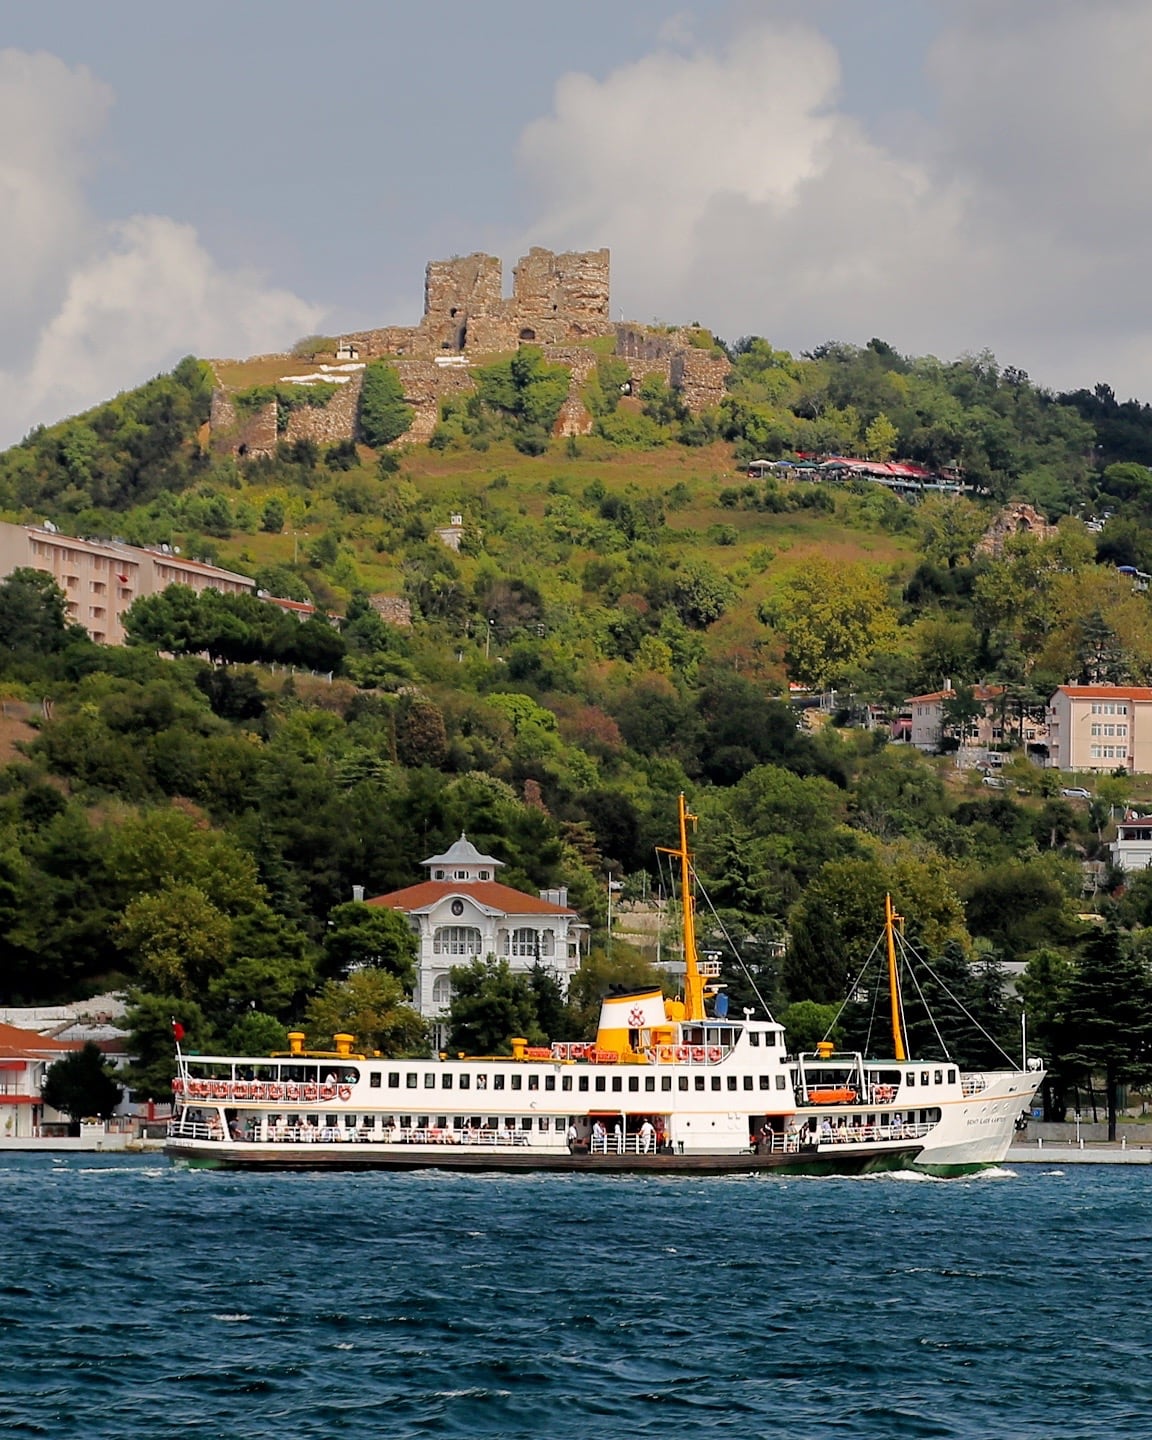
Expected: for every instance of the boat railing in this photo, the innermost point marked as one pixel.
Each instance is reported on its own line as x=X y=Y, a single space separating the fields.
x=972 y=1084
x=804 y=1139
x=194 y=1130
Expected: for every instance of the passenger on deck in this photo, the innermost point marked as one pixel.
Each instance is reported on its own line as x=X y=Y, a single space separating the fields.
x=647 y=1136
x=599 y=1138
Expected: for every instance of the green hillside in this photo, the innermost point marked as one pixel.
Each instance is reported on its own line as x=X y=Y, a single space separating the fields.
x=621 y=621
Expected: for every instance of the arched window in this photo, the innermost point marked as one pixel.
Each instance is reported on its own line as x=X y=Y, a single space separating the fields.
x=456 y=940
x=502 y=942
x=525 y=943
x=441 y=990
x=548 y=943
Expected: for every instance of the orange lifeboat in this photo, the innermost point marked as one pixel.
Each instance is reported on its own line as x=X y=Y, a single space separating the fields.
x=831 y=1096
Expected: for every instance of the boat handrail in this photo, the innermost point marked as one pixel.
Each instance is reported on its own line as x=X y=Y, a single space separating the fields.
x=972 y=1084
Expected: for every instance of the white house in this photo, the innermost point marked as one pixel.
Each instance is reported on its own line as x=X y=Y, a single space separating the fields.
x=25 y=1056
x=1132 y=848
x=462 y=912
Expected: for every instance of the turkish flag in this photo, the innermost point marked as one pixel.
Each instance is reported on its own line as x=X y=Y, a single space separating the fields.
x=178 y=1030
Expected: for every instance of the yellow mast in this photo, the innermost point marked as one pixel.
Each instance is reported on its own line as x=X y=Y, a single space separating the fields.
x=693 y=980
x=890 y=918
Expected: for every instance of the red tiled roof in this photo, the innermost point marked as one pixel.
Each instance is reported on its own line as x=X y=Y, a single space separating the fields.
x=1107 y=692
x=18 y=1044
x=487 y=892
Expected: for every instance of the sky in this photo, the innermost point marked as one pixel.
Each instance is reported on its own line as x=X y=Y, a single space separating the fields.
x=226 y=177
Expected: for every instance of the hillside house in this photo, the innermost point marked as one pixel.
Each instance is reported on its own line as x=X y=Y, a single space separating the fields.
x=1101 y=727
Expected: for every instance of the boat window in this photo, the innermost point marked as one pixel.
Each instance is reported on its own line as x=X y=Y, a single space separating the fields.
x=923 y=1077
x=939 y=1076
x=422 y=1123
x=765 y=1082
x=498 y=1082
x=350 y=1122
x=430 y=1080
x=481 y=1082
x=665 y=1082
x=682 y=1082
x=565 y=1082
x=446 y=1080
x=410 y=1079
x=393 y=1079
x=599 y=1082
x=649 y=1082
x=526 y=1123
x=781 y=1082
x=533 y=1082
x=582 y=1083
x=374 y=1080
x=550 y=1082
x=465 y=1082
x=770 y=1038
x=747 y=1082
x=517 y=1082
x=694 y=1035
x=910 y=1078
x=633 y=1082
x=753 y=1037
x=715 y=1082
x=951 y=1077
x=349 y=1077
x=699 y=1082
x=731 y=1082
x=442 y=1122
x=331 y=1121
x=369 y=1122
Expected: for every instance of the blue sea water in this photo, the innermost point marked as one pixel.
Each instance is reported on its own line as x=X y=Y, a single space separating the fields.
x=139 y=1299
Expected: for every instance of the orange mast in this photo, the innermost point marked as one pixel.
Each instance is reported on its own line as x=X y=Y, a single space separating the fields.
x=890 y=918
x=693 y=980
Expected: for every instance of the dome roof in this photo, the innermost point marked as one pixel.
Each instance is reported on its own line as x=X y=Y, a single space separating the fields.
x=462 y=852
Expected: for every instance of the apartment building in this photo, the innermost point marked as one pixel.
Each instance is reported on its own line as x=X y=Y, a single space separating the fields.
x=1101 y=727
x=927 y=717
x=102 y=578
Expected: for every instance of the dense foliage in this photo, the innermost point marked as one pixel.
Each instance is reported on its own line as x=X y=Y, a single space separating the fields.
x=186 y=817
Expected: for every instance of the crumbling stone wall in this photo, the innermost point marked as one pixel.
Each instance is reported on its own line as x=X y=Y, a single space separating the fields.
x=392 y=608
x=425 y=385
x=328 y=424
x=233 y=432
x=1016 y=519
x=699 y=376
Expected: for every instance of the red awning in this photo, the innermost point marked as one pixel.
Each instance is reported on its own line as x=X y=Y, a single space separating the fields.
x=12 y=1064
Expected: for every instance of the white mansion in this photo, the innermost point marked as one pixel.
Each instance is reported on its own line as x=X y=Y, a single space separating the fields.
x=461 y=912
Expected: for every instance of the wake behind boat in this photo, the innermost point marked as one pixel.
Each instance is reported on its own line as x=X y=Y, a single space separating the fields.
x=665 y=1087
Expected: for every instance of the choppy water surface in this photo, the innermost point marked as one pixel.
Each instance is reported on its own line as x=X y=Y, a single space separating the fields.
x=139 y=1300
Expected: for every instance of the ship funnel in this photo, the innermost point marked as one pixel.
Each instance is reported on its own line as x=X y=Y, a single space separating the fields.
x=296 y=1041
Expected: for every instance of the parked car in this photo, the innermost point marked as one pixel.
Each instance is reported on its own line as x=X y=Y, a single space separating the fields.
x=995 y=782
x=1076 y=792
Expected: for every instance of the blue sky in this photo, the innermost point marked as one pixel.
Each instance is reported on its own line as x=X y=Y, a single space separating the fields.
x=221 y=178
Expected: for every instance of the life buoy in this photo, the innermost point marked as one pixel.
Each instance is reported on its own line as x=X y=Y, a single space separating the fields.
x=715 y=1054
x=328 y=1092
x=291 y=1091
x=275 y=1092
x=177 y=1087
x=683 y=1052
x=345 y=1092
x=698 y=1053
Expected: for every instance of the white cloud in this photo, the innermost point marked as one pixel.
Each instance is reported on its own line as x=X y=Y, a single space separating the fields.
x=89 y=309
x=733 y=188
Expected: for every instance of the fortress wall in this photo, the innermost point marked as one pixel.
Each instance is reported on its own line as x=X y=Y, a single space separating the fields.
x=699 y=376
x=425 y=385
x=331 y=423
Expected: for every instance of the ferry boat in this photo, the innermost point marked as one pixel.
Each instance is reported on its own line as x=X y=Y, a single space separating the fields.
x=666 y=1086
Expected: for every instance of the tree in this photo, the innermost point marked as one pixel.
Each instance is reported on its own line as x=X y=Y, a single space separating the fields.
x=950 y=529
x=370 y=1005
x=832 y=618
x=34 y=614
x=363 y=936
x=383 y=416
x=176 y=938
x=807 y=1022
x=272 y=517
x=151 y=1041
x=1109 y=1014
x=82 y=1084
x=880 y=438
x=490 y=1005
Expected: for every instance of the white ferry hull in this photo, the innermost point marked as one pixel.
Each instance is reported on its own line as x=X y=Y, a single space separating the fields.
x=976 y=1131
x=815 y=1160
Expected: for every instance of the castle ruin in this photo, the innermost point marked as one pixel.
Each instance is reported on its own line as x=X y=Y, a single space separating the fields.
x=559 y=302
